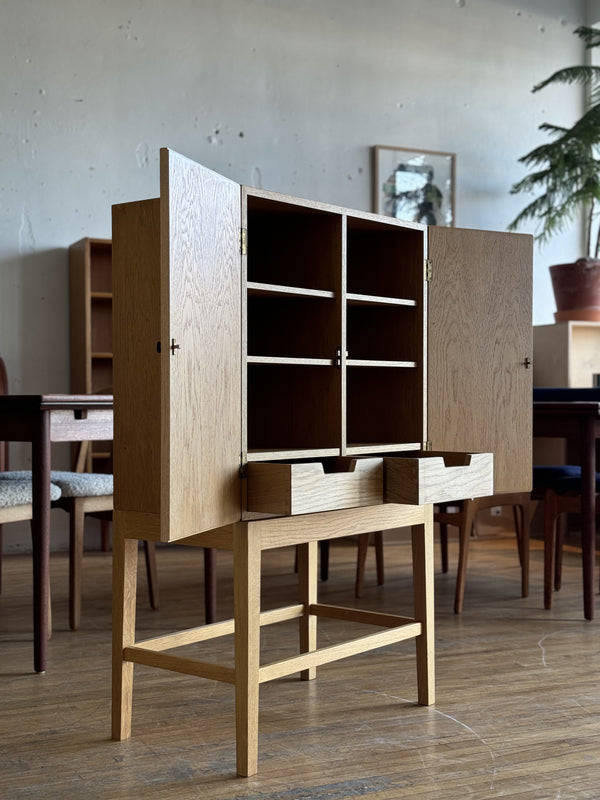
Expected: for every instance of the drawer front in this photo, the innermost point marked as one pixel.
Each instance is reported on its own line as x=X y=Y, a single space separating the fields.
x=437 y=477
x=288 y=488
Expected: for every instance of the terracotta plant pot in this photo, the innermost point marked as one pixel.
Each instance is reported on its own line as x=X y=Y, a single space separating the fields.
x=577 y=289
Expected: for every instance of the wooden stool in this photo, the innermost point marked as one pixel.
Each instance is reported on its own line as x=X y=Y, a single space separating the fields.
x=247 y=540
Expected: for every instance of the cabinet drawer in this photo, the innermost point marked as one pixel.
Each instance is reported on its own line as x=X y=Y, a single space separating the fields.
x=302 y=488
x=436 y=477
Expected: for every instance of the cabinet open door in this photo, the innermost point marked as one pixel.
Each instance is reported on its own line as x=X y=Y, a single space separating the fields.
x=479 y=394
x=177 y=329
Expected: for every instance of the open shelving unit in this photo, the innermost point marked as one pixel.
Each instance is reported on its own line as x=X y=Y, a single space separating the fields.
x=91 y=343
x=334 y=331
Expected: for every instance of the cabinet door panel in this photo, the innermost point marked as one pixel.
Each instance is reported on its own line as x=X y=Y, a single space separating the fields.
x=479 y=335
x=201 y=359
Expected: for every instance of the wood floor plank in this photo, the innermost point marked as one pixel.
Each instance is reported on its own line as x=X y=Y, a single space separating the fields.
x=517 y=711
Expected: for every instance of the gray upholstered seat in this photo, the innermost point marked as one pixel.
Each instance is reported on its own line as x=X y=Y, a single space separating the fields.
x=15 y=491
x=71 y=484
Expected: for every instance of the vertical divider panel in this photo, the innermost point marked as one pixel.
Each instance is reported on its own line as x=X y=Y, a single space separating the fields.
x=343 y=313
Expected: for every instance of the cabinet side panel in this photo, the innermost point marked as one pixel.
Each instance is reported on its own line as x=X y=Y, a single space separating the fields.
x=79 y=317
x=136 y=378
x=480 y=333
x=201 y=221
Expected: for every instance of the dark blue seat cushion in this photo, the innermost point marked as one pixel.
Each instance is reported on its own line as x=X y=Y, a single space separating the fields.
x=561 y=478
x=565 y=395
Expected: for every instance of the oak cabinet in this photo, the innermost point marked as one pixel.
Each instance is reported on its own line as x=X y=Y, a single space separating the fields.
x=253 y=328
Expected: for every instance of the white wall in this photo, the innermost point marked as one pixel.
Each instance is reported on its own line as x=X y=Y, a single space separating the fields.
x=289 y=95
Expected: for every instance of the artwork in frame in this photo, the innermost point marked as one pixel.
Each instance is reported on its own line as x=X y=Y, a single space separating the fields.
x=414 y=185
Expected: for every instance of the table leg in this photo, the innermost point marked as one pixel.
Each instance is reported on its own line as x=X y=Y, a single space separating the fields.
x=307 y=590
x=588 y=514
x=40 y=533
x=246 y=591
x=125 y=558
x=422 y=549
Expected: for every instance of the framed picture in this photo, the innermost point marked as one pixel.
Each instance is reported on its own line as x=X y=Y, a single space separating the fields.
x=414 y=185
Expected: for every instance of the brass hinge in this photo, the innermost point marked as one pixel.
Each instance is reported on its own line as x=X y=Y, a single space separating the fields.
x=427 y=446
x=244 y=241
x=428 y=269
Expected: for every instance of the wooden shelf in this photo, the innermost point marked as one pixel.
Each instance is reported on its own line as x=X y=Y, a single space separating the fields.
x=257 y=289
x=357 y=362
x=373 y=300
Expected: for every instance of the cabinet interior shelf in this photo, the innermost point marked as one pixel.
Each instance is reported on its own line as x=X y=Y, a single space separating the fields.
x=314 y=362
x=102 y=355
x=376 y=300
x=274 y=290
x=369 y=362
x=101 y=295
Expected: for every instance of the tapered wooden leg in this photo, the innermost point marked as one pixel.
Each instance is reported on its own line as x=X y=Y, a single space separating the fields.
x=464 y=533
x=307 y=591
x=550 y=523
x=361 y=558
x=76 y=528
x=125 y=555
x=210 y=585
x=151 y=573
x=105 y=535
x=422 y=553
x=246 y=590
x=378 y=540
x=444 y=545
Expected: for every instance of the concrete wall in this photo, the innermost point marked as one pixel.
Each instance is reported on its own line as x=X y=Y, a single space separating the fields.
x=288 y=95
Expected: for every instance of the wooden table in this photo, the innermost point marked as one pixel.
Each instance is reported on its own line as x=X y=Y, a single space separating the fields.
x=578 y=421
x=41 y=420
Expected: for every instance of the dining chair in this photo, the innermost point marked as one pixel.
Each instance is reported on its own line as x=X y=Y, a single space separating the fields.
x=559 y=487
x=16 y=505
x=81 y=494
x=462 y=514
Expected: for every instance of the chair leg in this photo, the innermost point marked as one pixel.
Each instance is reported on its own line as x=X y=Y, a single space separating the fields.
x=444 y=545
x=561 y=526
x=210 y=585
x=468 y=516
x=550 y=522
x=105 y=535
x=378 y=539
x=76 y=526
x=151 y=573
x=521 y=515
x=324 y=557
x=361 y=558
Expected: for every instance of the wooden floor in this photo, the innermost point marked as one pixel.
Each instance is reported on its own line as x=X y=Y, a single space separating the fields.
x=517 y=712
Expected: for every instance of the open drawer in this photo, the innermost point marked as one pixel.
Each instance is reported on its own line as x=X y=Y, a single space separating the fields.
x=438 y=477
x=306 y=487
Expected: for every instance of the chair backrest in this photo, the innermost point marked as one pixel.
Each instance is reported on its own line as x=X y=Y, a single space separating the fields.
x=3 y=390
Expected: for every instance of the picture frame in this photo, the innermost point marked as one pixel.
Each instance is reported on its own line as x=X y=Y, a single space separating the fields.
x=414 y=185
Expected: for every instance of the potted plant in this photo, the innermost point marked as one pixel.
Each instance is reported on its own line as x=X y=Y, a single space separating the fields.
x=566 y=174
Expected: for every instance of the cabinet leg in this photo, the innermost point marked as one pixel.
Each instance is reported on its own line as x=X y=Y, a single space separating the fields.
x=125 y=556
x=246 y=583
x=307 y=590
x=422 y=552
